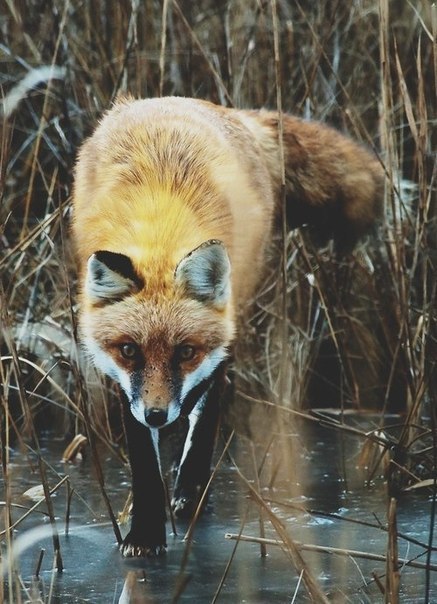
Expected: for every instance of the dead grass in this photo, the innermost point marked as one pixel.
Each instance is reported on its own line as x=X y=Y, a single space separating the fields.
x=356 y=336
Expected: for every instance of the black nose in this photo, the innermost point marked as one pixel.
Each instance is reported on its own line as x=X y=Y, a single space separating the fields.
x=155 y=417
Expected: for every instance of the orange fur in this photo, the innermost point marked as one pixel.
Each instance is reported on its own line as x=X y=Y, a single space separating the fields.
x=159 y=177
x=332 y=183
x=174 y=205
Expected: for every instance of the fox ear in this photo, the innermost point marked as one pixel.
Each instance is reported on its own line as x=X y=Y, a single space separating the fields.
x=110 y=277
x=205 y=273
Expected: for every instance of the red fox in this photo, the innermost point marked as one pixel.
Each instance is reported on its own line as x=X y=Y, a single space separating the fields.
x=174 y=206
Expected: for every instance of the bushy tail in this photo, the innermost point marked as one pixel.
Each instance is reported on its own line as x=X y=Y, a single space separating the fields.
x=333 y=184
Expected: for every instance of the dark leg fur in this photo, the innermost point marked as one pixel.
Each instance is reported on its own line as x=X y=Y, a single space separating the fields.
x=195 y=464
x=147 y=534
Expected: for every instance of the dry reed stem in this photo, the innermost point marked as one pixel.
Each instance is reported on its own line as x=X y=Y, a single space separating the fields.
x=337 y=551
x=100 y=475
x=165 y=8
x=33 y=508
x=392 y=576
x=232 y=556
x=217 y=78
x=183 y=578
x=311 y=584
x=263 y=551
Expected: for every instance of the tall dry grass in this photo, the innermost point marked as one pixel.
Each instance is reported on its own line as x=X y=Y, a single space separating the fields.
x=357 y=334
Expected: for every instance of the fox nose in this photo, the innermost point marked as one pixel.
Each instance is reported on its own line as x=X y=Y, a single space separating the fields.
x=155 y=417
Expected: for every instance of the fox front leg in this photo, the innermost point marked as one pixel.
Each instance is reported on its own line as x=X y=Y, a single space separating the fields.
x=195 y=464
x=147 y=535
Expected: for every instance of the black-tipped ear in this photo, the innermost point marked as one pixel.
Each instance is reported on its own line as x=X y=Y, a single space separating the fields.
x=205 y=274
x=110 y=277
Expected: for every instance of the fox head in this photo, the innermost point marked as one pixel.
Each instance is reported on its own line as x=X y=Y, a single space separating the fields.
x=162 y=347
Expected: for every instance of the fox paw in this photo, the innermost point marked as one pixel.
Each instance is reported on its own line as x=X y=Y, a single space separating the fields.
x=183 y=507
x=185 y=502
x=133 y=547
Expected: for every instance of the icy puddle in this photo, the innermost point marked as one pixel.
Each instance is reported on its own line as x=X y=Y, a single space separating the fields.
x=318 y=496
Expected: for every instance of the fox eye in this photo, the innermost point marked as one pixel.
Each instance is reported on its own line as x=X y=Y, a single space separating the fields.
x=129 y=351
x=186 y=352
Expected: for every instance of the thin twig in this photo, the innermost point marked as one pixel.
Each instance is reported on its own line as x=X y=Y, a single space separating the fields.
x=325 y=549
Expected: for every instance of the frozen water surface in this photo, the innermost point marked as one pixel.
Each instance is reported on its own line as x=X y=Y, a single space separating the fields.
x=316 y=494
